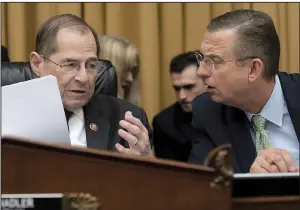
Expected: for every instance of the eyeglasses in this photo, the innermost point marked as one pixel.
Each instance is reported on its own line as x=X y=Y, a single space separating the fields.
x=91 y=66
x=210 y=64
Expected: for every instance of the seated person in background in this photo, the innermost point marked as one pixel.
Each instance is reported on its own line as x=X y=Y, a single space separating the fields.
x=249 y=104
x=172 y=130
x=4 y=54
x=68 y=48
x=125 y=58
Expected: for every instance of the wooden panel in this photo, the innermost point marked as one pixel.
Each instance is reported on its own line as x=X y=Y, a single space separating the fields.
x=113 y=18
x=130 y=22
x=283 y=36
x=72 y=8
x=171 y=45
x=244 y=5
x=150 y=58
x=197 y=17
x=220 y=8
x=43 y=12
x=3 y=24
x=17 y=31
x=267 y=203
x=120 y=182
x=94 y=15
x=293 y=37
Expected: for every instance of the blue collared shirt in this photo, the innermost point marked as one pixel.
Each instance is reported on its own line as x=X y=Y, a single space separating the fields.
x=280 y=128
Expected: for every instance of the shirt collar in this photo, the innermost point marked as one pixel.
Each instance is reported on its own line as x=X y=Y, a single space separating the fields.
x=79 y=113
x=273 y=109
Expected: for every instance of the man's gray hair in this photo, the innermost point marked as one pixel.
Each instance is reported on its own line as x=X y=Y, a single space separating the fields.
x=256 y=37
x=47 y=33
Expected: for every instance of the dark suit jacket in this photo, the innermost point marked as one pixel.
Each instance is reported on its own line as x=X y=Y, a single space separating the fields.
x=173 y=133
x=219 y=124
x=4 y=54
x=106 y=112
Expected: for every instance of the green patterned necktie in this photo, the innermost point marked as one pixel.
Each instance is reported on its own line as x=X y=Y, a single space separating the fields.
x=261 y=134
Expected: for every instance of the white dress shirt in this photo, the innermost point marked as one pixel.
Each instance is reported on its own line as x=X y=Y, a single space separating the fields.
x=280 y=128
x=77 y=128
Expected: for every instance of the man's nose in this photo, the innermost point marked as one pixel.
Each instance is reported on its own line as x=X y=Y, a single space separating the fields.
x=81 y=75
x=182 y=94
x=203 y=72
x=129 y=77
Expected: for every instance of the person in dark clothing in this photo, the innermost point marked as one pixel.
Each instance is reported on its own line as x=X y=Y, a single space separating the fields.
x=249 y=104
x=172 y=131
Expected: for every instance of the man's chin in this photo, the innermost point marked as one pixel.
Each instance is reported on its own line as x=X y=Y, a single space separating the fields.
x=76 y=104
x=215 y=98
x=186 y=108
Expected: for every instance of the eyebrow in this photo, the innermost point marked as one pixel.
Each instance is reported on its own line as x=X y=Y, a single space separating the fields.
x=185 y=85
x=70 y=60
x=75 y=60
x=92 y=59
x=213 y=56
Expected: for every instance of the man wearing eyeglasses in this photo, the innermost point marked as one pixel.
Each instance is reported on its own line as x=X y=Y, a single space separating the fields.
x=67 y=48
x=250 y=104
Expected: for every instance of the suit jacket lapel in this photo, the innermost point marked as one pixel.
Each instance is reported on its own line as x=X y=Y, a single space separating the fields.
x=293 y=103
x=243 y=146
x=97 y=126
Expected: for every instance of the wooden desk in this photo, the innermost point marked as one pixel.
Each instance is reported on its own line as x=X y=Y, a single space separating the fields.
x=119 y=182
x=267 y=203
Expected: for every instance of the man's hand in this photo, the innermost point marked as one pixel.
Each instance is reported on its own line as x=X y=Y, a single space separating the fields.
x=135 y=133
x=273 y=160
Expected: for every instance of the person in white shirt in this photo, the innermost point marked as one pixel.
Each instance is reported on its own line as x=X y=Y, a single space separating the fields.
x=68 y=48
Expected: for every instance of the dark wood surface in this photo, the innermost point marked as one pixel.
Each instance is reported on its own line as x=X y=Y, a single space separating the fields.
x=267 y=203
x=120 y=182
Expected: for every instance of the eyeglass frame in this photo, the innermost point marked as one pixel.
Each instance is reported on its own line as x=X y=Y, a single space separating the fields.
x=200 y=54
x=62 y=66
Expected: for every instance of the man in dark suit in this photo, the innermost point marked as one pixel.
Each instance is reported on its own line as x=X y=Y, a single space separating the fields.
x=249 y=103
x=172 y=130
x=67 y=48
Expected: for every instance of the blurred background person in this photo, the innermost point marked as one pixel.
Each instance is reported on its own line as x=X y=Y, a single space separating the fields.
x=172 y=130
x=125 y=58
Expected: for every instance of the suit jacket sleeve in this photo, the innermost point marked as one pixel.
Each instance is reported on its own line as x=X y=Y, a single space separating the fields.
x=296 y=78
x=202 y=144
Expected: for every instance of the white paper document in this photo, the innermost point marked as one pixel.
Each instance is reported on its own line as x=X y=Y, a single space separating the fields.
x=34 y=110
x=267 y=175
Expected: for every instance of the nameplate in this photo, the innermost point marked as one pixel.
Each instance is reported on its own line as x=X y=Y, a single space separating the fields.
x=72 y=201
x=32 y=201
x=273 y=184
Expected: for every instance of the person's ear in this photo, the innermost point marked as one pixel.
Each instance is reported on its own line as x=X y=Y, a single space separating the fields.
x=255 y=70
x=36 y=63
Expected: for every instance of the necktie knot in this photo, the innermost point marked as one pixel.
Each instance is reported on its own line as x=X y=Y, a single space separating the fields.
x=259 y=122
x=261 y=135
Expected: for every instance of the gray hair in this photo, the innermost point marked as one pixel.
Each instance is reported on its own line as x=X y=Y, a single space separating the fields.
x=46 y=36
x=256 y=37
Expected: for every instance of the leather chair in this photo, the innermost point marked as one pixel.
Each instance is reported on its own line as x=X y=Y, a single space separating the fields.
x=14 y=72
